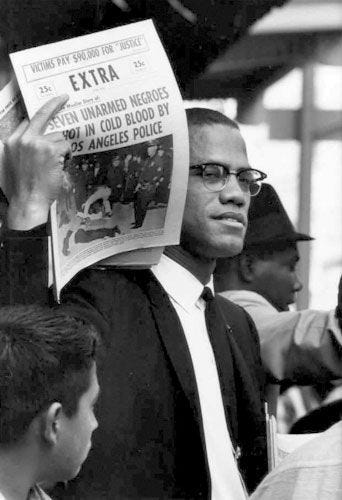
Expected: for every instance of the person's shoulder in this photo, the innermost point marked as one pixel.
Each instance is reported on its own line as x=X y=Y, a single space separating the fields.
x=248 y=299
x=238 y=317
x=323 y=450
x=311 y=469
x=101 y=278
x=232 y=310
x=109 y=298
x=226 y=303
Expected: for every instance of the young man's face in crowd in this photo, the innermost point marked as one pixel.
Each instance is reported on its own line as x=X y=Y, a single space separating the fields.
x=214 y=223
x=276 y=277
x=78 y=429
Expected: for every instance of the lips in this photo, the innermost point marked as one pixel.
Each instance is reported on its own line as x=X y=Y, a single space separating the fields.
x=232 y=216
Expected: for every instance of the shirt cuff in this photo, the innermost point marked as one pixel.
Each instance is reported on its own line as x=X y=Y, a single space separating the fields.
x=35 y=232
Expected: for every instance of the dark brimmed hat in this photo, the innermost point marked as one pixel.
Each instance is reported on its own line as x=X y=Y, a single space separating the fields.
x=268 y=221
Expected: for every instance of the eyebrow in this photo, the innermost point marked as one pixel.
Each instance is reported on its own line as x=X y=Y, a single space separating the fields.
x=224 y=165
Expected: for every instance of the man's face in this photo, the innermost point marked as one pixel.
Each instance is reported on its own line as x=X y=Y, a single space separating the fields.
x=151 y=150
x=275 y=278
x=77 y=431
x=214 y=223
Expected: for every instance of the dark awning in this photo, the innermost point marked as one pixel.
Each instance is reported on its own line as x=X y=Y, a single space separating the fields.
x=194 y=32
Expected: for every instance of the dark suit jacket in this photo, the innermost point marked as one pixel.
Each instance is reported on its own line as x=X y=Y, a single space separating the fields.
x=150 y=441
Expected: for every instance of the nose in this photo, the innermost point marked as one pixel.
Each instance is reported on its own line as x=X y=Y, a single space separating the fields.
x=297 y=284
x=95 y=423
x=234 y=193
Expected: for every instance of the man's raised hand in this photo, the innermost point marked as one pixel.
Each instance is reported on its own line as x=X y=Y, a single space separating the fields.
x=34 y=167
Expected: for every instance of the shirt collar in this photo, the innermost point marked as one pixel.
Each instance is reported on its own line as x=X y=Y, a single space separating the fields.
x=182 y=286
x=247 y=297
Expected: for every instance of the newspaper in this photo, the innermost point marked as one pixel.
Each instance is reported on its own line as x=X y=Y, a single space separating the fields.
x=11 y=114
x=126 y=124
x=279 y=445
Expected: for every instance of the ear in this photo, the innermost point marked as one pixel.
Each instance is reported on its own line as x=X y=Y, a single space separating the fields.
x=246 y=267
x=52 y=423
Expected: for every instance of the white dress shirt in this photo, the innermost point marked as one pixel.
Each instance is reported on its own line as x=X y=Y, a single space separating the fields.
x=36 y=493
x=184 y=291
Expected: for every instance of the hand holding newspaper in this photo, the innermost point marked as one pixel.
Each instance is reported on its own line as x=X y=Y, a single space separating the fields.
x=125 y=121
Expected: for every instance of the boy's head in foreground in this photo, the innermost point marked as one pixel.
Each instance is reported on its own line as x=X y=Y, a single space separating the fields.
x=48 y=388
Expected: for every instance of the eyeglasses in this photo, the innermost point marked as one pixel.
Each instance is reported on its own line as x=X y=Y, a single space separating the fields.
x=216 y=176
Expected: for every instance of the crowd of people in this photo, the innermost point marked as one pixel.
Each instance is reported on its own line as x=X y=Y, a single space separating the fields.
x=182 y=371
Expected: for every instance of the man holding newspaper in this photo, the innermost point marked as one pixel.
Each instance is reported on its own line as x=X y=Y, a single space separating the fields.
x=181 y=411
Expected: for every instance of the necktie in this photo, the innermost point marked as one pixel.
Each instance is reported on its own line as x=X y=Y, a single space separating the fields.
x=218 y=335
x=207 y=295
x=235 y=378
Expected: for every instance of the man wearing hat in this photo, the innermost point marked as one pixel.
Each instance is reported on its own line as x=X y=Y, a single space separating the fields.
x=298 y=346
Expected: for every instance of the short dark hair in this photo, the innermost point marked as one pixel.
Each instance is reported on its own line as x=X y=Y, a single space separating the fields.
x=46 y=355
x=205 y=116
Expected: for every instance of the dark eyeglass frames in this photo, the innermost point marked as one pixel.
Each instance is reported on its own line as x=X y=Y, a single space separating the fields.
x=216 y=176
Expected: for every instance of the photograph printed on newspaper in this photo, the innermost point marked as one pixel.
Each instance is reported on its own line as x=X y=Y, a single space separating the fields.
x=126 y=183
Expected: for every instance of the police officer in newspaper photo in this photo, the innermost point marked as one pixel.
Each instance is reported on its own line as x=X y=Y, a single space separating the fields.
x=147 y=183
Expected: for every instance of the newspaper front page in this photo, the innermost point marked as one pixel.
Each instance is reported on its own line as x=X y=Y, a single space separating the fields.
x=126 y=124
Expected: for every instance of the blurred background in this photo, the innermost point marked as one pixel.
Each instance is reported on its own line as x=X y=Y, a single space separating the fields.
x=273 y=65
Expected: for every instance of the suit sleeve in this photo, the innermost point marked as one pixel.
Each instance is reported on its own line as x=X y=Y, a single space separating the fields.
x=24 y=267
